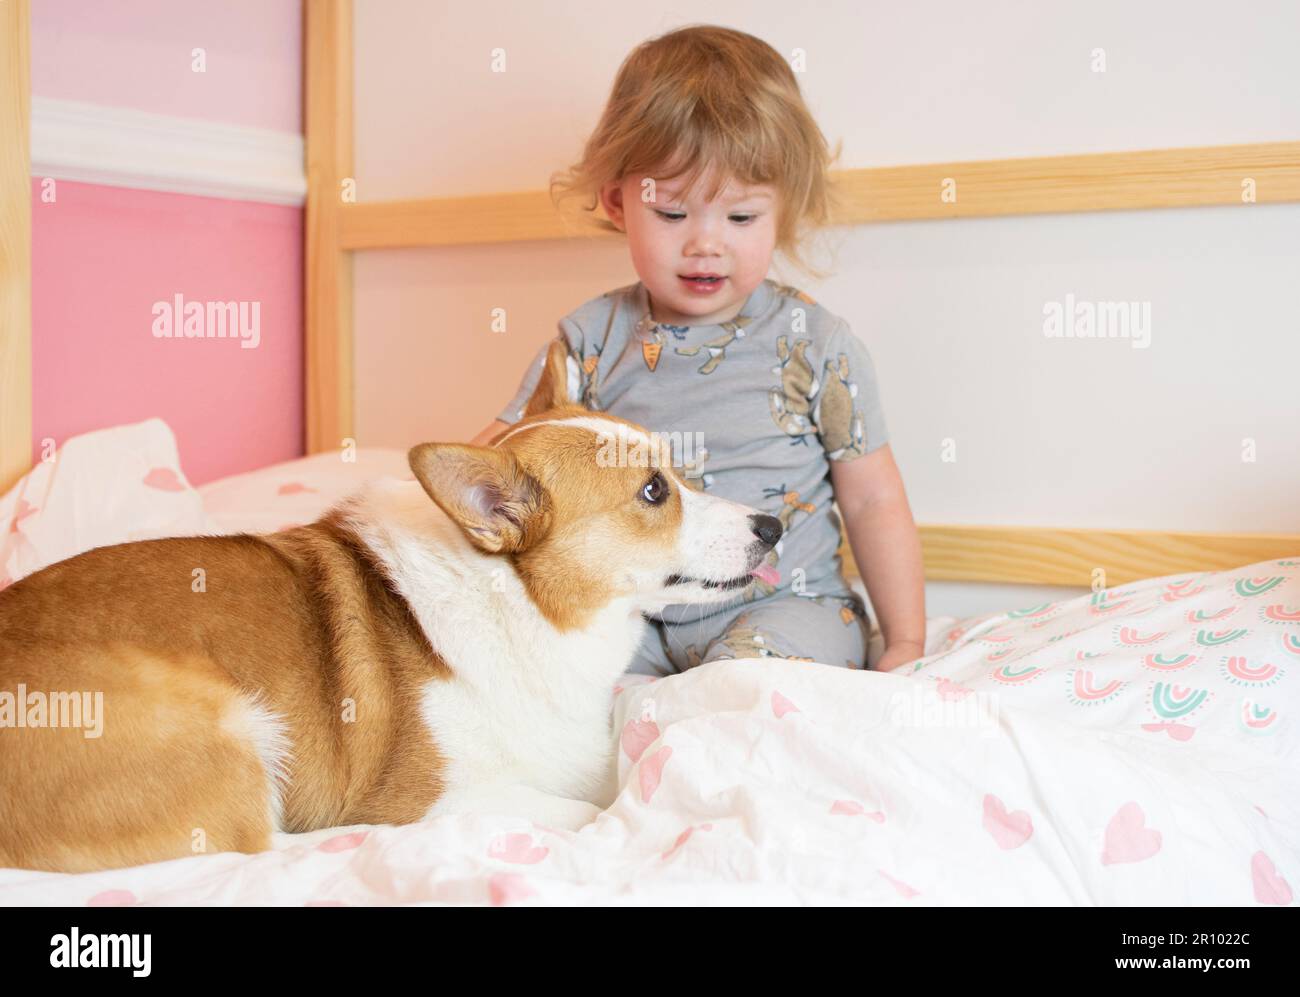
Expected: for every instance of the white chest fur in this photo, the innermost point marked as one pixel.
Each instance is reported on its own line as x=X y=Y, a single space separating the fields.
x=526 y=705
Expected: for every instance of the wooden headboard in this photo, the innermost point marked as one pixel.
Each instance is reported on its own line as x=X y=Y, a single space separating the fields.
x=336 y=228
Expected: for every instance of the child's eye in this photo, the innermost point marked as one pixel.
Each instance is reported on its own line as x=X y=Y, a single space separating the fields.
x=677 y=216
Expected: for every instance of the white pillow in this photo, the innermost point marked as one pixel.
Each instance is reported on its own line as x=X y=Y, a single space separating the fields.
x=100 y=488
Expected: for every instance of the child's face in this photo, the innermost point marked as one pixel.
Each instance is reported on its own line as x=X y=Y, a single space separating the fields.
x=733 y=236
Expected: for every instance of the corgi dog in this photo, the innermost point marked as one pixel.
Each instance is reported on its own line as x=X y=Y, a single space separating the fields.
x=447 y=644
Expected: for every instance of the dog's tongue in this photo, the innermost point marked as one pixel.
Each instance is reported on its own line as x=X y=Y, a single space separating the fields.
x=766 y=573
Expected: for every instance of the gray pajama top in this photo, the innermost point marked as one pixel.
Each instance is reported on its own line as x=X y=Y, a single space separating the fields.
x=754 y=409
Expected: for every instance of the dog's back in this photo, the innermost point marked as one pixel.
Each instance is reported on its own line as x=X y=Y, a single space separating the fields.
x=222 y=687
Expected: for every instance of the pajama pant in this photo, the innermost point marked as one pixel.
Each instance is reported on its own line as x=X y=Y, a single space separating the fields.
x=832 y=629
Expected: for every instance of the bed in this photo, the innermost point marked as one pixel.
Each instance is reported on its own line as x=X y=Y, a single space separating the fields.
x=1136 y=745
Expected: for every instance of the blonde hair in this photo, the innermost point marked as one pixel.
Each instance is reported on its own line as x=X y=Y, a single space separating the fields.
x=705 y=96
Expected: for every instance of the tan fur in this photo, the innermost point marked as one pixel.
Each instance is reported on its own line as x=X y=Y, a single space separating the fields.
x=301 y=617
x=595 y=526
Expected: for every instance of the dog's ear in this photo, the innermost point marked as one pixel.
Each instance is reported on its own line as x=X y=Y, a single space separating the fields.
x=559 y=383
x=486 y=491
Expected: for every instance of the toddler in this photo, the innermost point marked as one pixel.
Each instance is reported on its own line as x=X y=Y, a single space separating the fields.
x=708 y=159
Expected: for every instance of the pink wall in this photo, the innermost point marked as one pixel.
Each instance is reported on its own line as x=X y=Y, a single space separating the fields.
x=102 y=256
x=136 y=53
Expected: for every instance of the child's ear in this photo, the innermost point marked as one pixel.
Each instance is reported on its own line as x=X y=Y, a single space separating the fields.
x=611 y=200
x=500 y=506
x=552 y=389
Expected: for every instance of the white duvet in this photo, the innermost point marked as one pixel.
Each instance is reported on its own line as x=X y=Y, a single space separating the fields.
x=1135 y=746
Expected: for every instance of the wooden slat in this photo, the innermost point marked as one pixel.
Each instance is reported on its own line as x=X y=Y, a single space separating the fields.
x=15 y=243
x=459 y=221
x=1043 y=556
x=327 y=304
x=1108 y=181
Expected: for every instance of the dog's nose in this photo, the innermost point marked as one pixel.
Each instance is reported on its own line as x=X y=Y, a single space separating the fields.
x=766 y=528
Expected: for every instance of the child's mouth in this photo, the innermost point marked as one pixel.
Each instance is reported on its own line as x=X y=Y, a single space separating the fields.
x=704 y=285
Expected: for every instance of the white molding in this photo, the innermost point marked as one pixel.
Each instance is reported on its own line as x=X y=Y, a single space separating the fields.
x=123 y=147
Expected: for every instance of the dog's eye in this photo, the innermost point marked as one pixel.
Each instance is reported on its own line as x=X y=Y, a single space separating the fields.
x=655 y=490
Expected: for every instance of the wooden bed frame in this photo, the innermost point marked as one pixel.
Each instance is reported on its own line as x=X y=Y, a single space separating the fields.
x=335 y=229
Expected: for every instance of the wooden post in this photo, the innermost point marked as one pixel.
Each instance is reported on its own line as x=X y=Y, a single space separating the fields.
x=15 y=243
x=327 y=277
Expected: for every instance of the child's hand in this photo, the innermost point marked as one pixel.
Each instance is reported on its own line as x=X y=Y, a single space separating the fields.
x=901 y=653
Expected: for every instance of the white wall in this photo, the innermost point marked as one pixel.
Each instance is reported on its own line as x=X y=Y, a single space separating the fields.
x=1046 y=432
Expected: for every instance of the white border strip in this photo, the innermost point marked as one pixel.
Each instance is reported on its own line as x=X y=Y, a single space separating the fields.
x=123 y=147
